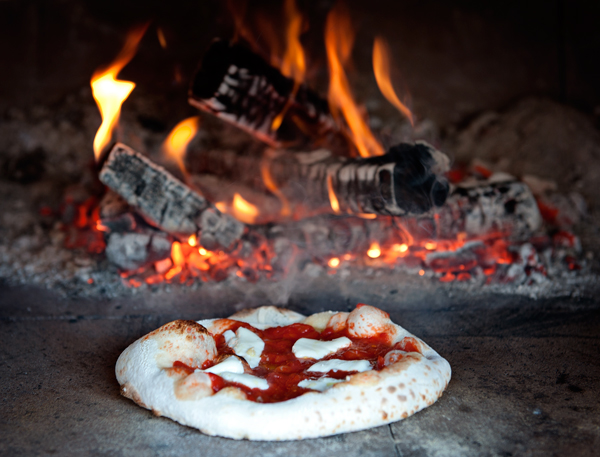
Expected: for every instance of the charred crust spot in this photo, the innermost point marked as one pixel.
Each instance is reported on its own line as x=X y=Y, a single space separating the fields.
x=391 y=389
x=427 y=367
x=404 y=415
x=182 y=327
x=384 y=415
x=358 y=410
x=319 y=416
x=348 y=398
x=401 y=397
x=156 y=412
x=423 y=397
x=383 y=401
x=401 y=385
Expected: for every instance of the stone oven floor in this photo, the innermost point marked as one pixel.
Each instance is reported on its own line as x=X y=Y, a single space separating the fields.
x=526 y=377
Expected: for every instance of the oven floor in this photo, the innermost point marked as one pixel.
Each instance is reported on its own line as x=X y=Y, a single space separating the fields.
x=526 y=378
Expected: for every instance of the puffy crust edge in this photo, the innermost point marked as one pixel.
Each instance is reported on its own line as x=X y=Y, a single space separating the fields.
x=366 y=400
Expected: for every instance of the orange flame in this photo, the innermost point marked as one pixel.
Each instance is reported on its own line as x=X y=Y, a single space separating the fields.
x=176 y=144
x=270 y=184
x=243 y=210
x=333 y=262
x=161 y=38
x=333 y=200
x=293 y=63
x=339 y=39
x=381 y=68
x=110 y=93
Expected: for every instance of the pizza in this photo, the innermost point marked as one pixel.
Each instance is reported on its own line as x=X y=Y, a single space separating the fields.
x=273 y=374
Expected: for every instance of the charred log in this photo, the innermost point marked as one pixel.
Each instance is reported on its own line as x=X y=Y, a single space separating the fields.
x=407 y=180
x=238 y=86
x=165 y=202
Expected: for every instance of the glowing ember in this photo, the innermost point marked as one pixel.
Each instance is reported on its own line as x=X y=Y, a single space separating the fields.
x=334 y=262
x=192 y=240
x=401 y=247
x=381 y=68
x=339 y=39
x=175 y=146
x=110 y=93
x=374 y=251
x=202 y=251
x=177 y=254
x=430 y=246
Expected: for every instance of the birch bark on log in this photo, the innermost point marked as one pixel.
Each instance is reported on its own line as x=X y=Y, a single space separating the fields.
x=238 y=86
x=409 y=179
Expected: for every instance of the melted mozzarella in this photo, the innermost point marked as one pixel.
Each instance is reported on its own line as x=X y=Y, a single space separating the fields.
x=341 y=365
x=253 y=382
x=305 y=348
x=246 y=344
x=230 y=365
x=320 y=384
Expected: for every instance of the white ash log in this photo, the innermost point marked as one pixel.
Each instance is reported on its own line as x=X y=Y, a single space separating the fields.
x=407 y=180
x=500 y=204
x=238 y=86
x=165 y=201
x=133 y=250
x=332 y=236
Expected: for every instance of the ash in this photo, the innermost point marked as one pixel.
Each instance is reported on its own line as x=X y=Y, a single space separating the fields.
x=47 y=164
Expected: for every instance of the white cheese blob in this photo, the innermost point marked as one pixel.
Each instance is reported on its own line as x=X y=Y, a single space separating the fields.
x=246 y=344
x=320 y=384
x=341 y=365
x=230 y=365
x=306 y=348
x=253 y=382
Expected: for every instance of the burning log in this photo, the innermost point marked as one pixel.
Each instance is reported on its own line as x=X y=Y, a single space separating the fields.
x=166 y=202
x=238 y=86
x=406 y=180
x=505 y=208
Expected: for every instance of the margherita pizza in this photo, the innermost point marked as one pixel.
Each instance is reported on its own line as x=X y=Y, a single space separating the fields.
x=273 y=374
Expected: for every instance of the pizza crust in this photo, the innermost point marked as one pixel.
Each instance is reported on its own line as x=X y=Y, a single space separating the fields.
x=411 y=382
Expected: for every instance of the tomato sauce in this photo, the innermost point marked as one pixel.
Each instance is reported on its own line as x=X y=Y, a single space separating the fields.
x=283 y=371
